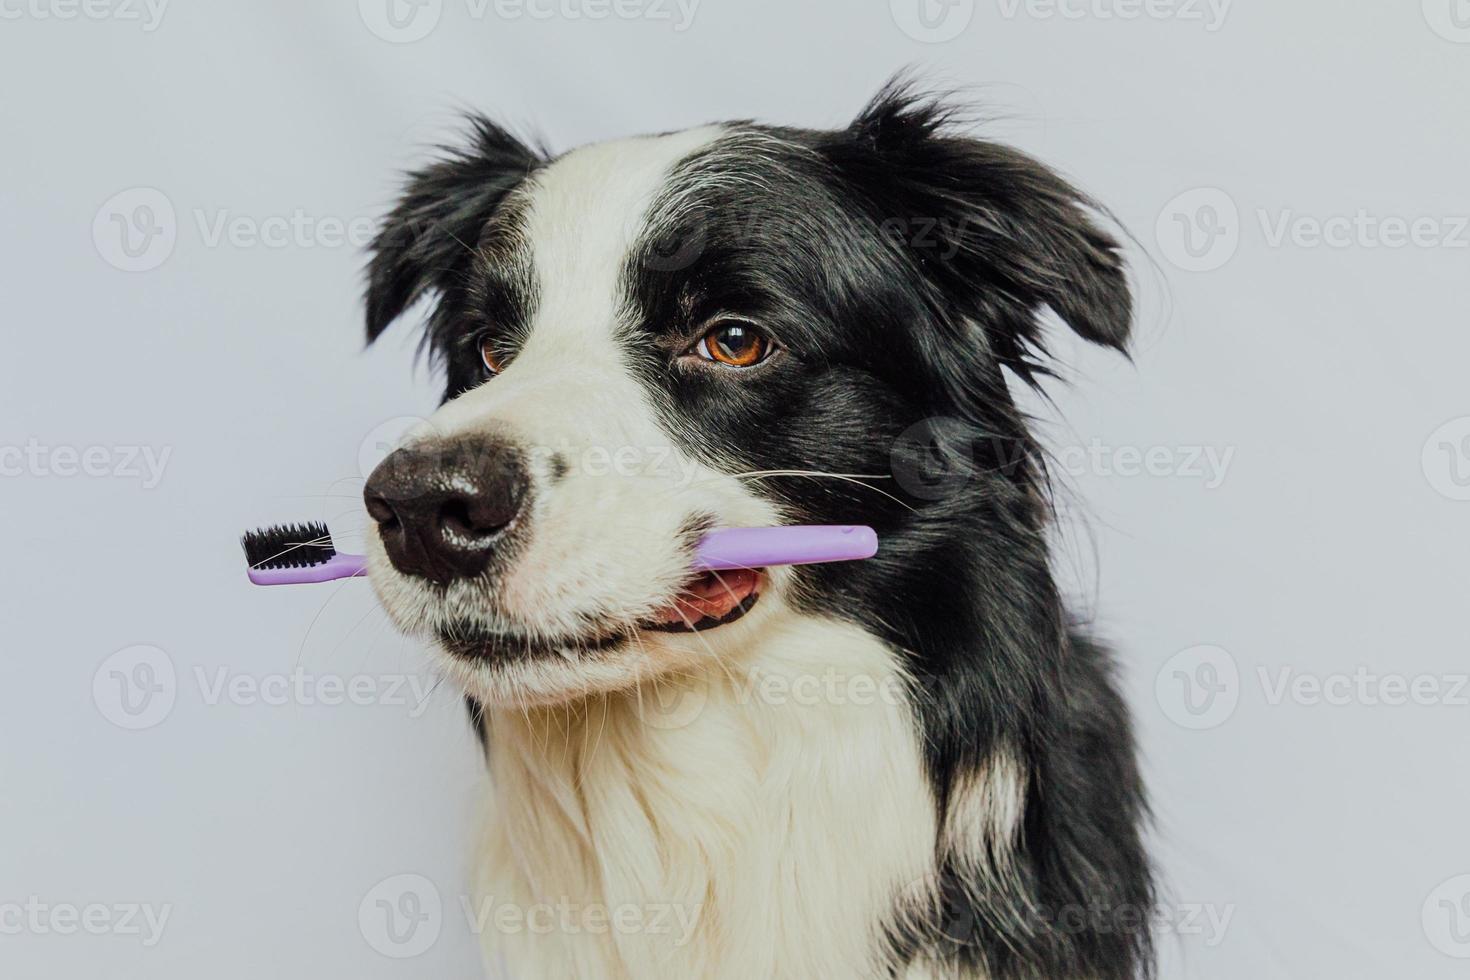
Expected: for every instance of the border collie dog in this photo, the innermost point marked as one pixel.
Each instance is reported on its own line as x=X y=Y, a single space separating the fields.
x=913 y=766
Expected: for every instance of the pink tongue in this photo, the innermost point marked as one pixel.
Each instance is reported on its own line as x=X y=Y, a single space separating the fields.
x=713 y=595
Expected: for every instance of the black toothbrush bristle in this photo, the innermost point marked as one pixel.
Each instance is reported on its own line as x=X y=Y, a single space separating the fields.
x=288 y=545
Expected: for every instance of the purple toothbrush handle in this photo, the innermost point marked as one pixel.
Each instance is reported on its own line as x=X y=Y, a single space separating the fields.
x=757 y=547
x=338 y=566
x=735 y=547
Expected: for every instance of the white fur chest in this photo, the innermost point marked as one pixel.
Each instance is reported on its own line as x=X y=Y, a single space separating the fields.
x=756 y=820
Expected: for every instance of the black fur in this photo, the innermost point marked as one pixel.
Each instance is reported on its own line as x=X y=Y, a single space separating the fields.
x=431 y=240
x=903 y=267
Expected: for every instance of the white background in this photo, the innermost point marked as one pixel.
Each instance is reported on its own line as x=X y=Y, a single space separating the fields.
x=1330 y=831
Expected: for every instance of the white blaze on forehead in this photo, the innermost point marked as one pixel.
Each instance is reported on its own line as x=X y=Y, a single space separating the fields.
x=583 y=215
x=586 y=212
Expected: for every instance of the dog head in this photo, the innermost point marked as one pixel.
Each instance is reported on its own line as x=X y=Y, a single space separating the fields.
x=735 y=325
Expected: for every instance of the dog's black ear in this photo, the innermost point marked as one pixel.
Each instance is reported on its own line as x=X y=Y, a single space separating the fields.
x=427 y=241
x=999 y=234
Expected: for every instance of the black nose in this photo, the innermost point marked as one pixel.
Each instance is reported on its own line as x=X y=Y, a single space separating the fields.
x=442 y=508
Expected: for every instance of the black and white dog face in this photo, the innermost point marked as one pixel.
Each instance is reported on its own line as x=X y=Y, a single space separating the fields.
x=730 y=326
x=749 y=326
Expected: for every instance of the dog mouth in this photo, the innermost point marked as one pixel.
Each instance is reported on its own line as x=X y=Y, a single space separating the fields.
x=707 y=601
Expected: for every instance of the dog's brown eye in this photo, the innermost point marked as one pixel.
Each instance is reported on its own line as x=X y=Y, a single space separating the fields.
x=735 y=344
x=491 y=358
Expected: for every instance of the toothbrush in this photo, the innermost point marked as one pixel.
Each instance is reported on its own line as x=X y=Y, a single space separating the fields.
x=293 y=554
